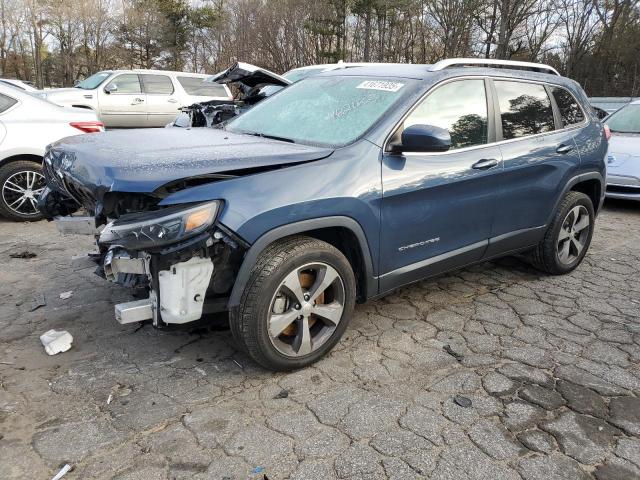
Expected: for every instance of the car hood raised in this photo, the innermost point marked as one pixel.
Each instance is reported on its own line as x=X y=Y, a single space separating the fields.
x=144 y=160
x=248 y=75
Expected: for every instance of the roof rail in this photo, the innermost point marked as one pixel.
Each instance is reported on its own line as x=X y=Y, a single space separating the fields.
x=493 y=63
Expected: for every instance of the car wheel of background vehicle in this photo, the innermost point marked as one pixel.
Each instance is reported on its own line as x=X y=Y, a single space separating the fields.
x=20 y=184
x=296 y=305
x=568 y=237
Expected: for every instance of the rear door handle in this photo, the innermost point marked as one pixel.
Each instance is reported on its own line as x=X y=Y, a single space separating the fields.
x=172 y=100
x=485 y=164
x=564 y=149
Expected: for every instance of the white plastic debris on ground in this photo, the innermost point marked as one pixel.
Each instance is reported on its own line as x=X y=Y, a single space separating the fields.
x=63 y=471
x=55 y=341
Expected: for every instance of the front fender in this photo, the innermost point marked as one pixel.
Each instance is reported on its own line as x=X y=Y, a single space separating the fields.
x=271 y=236
x=298 y=198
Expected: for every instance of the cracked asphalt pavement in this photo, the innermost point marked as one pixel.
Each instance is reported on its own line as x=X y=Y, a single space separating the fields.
x=494 y=372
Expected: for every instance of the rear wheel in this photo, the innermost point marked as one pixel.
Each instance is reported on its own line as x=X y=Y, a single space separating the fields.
x=296 y=305
x=568 y=237
x=21 y=182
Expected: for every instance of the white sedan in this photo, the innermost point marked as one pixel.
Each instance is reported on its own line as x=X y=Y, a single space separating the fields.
x=27 y=125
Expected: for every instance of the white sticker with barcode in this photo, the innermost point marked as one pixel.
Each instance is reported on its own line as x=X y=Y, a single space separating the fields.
x=381 y=85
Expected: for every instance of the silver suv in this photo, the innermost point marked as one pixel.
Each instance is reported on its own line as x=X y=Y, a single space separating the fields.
x=138 y=98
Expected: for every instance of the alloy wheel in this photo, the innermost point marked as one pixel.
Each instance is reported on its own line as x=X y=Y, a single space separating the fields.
x=306 y=309
x=21 y=190
x=573 y=235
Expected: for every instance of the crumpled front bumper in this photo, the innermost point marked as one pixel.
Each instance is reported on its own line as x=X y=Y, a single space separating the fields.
x=176 y=296
x=183 y=280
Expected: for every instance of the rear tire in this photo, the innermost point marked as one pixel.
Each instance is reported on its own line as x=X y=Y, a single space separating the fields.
x=568 y=237
x=296 y=305
x=21 y=182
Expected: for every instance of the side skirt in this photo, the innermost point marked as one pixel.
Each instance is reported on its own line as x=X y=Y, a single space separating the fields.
x=493 y=248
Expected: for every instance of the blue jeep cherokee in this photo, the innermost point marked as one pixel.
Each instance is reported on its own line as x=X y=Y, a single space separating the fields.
x=338 y=189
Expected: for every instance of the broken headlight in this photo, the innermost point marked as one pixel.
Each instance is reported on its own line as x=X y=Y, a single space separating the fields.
x=158 y=228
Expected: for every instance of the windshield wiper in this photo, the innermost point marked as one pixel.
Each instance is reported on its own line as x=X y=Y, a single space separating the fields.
x=271 y=137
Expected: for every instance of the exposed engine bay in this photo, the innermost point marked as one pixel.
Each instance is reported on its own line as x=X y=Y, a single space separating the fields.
x=254 y=84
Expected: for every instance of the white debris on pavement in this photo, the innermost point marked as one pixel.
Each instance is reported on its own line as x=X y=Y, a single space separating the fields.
x=55 y=341
x=65 y=295
x=63 y=471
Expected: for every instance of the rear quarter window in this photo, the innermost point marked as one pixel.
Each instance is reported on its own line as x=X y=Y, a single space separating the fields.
x=568 y=106
x=6 y=102
x=198 y=87
x=525 y=109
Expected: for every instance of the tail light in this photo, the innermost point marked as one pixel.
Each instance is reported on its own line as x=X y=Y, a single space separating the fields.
x=88 y=127
x=607 y=132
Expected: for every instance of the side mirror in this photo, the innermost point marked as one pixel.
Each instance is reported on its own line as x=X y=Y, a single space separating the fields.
x=112 y=87
x=76 y=83
x=424 y=138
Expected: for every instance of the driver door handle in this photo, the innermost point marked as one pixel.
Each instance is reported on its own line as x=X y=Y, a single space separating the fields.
x=564 y=149
x=172 y=100
x=485 y=164
x=137 y=101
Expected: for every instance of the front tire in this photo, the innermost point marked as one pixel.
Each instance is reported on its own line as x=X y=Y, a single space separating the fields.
x=296 y=305
x=567 y=239
x=21 y=182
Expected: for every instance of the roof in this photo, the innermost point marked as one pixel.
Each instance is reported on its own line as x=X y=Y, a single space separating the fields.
x=341 y=64
x=158 y=72
x=424 y=72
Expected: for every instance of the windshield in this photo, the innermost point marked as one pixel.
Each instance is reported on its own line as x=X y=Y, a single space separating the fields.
x=324 y=111
x=302 y=73
x=625 y=120
x=93 y=81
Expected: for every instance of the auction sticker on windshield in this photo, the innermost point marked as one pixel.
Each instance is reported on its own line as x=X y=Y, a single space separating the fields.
x=381 y=85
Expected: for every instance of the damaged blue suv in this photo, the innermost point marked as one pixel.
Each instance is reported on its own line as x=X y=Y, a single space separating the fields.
x=338 y=189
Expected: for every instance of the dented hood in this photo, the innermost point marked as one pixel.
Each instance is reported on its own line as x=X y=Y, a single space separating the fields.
x=144 y=160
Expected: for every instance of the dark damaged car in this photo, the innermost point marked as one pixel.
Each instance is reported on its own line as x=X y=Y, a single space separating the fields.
x=337 y=189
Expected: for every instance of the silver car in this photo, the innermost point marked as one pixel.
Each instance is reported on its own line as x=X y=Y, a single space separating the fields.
x=138 y=98
x=623 y=165
x=27 y=125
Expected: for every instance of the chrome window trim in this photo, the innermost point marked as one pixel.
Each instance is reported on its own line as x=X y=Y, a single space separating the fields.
x=385 y=144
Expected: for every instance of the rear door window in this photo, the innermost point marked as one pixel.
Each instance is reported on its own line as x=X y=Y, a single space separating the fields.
x=6 y=103
x=157 y=84
x=126 y=83
x=525 y=109
x=569 y=109
x=198 y=87
x=459 y=107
